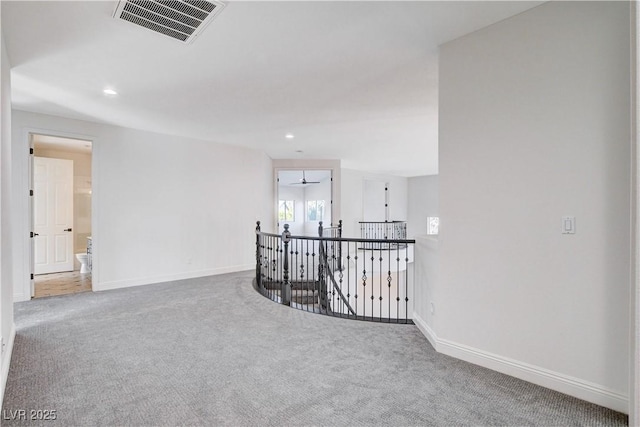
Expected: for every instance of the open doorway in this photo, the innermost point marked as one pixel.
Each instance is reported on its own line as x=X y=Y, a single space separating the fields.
x=304 y=199
x=61 y=215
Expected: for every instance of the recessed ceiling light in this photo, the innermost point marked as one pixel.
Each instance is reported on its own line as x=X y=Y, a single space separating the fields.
x=110 y=92
x=289 y=136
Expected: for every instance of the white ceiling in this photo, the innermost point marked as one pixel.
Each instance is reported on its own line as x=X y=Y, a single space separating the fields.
x=294 y=177
x=356 y=81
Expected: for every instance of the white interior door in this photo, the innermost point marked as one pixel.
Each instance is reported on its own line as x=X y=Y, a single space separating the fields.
x=53 y=215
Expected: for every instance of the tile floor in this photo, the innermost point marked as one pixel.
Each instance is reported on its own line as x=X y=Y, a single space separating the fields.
x=72 y=282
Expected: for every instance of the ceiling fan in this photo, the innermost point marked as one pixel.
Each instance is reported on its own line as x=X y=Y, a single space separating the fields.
x=303 y=181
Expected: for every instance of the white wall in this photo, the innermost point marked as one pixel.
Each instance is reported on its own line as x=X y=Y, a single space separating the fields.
x=164 y=207
x=7 y=328
x=534 y=125
x=423 y=203
x=353 y=186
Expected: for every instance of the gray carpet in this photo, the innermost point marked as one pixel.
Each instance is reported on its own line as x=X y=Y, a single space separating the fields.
x=212 y=351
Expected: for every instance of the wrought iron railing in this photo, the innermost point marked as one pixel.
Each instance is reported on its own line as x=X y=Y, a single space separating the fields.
x=390 y=232
x=364 y=279
x=387 y=230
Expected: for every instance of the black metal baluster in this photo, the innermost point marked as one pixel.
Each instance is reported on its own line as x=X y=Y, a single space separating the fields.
x=406 y=286
x=372 y=274
x=276 y=268
x=294 y=267
x=286 y=286
x=380 y=284
x=340 y=283
x=398 y=286
x=340 y=305
x=276 y=262
x=364 y=285
x=299 y=285
x=273 y=263
x=312 y=276
x=322 y=257
x=389 y=280
x=316 y=283
x=340 y=245
x=262 y=254
x=349 y=280
x=258 y=255
x=265 y=259
x=356 y=281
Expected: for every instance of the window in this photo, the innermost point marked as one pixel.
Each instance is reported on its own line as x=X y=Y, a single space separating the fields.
x=432 y=224
x=285 y=210
x=315 y=210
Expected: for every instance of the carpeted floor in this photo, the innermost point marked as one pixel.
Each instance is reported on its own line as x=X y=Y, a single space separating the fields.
x=212 y=351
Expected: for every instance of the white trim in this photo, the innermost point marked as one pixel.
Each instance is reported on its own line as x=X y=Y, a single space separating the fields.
x=117 y=284
x=575 y=387
x=634 y=312
x=590 y=392
x=23 y=242
x=425 y=329
x=298 y=164
x=21 y=297
x=6 y=362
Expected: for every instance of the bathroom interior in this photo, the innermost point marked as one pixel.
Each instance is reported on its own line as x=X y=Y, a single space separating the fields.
x=76 y=276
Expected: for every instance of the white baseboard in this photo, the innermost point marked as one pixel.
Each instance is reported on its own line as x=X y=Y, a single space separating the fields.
x=575 y=387
x=117 y=284
x=6 y=362
x=426 y=330
x=21 y=297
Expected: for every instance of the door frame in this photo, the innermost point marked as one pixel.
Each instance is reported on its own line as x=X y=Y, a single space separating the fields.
x=308 y=164
x=28 y=285
x=634 y=306
x=277 y=195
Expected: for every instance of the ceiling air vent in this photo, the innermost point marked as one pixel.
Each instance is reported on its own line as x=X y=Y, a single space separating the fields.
x=182 y=20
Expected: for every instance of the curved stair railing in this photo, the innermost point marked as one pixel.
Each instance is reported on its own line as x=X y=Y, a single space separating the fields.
x=329 y=272
x=363 y=279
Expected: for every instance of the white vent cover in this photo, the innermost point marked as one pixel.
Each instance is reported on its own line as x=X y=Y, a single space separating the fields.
x=182 y=20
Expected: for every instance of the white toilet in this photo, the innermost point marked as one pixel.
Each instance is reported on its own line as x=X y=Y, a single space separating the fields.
x=83 y=258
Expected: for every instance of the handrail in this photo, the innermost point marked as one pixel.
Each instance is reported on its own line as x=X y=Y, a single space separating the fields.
x=342 y=239
x=356 y=278
x=381 y=222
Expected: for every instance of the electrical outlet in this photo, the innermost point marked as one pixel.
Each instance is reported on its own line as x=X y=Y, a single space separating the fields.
x=2 y=344
x=433 y=308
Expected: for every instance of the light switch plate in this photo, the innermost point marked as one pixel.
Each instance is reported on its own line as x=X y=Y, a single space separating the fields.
x=568 y=225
